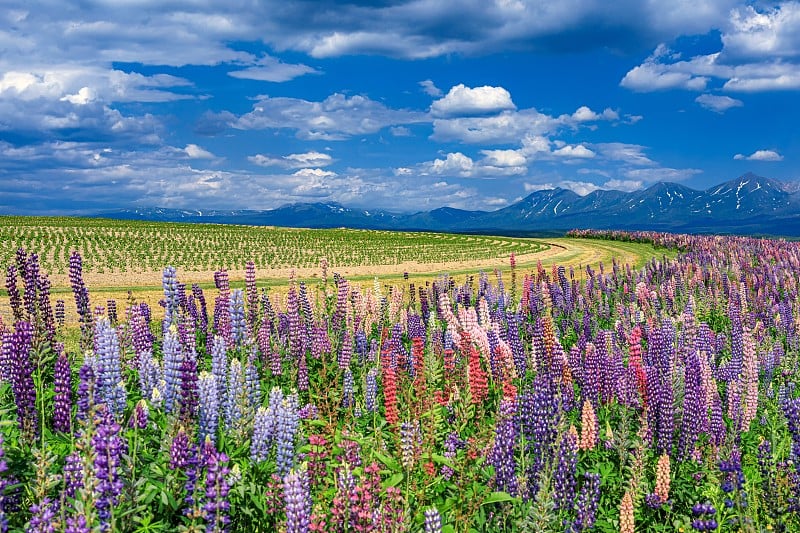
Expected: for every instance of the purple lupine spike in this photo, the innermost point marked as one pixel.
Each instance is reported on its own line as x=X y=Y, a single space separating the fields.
x=86 y=391
x=234 y=394
x=179 y=450
x=340 y=312
x=21 y=373
x=197 y=292
x=694 y=411
x=591 y=374
x=81 y=294
x=239 y=333
x=539 y=414
x=46 y=310
x=371 y=390
x=173 y=357
x=169 y=282
x=502 y=456
x=515 y=342
x=302 y=374
x=252 y=294
x=347 y=389
x=287 y=423
x=44 y=517
x=30 y=278
x=219 y=365
x=60 y=313
x=188 y=388
x=208 y=406
x=216 y=489
x=252 y=380
x=62 y=403
x=586 y=503
x=108 y=447
x=140 y=415
x=222 y=322
x=108 y=366
x=14 y=296
x=295 y=323
x=564 y=473
x=433 y=521
x=345 y=351
x=73 y=474
x=297 y=499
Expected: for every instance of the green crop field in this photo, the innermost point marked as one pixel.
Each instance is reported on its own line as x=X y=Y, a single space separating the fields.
x=111 y=246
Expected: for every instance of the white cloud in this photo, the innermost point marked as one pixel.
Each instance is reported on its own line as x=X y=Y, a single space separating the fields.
x=532 y=187
x=462 y=100
x=503 y=158
x=504 y=128
x=338 y=117
x=585 y=114
x=272 y=69
x=306 y=159
x=314 y=173
x=652 y=175
x=577 y=151
x=760 y=155
x=632 y=154
x=454 y=164
x=430 y=88
x=195 y=152
x=581 y=188
x=716 y=103
x=400 y=131
x=760 y=52
x=623 y=185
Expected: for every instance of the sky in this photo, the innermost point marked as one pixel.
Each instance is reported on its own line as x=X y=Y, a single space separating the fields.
x=403 y=106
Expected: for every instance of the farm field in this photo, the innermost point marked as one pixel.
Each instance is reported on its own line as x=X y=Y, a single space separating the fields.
x=656 y=392
x=123 y=256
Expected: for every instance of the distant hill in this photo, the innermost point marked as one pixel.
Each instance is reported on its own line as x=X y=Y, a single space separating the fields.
x=748 y=204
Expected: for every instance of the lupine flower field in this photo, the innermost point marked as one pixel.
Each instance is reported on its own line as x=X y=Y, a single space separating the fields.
x=660 y=398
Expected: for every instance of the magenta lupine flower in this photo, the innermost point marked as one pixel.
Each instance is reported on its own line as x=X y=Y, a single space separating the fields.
x=62 y=403
x=297 y=498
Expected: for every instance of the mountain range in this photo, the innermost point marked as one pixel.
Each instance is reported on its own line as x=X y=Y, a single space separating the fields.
x=749 y=204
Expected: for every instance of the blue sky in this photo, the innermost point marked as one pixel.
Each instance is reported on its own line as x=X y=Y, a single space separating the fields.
x=398 y=105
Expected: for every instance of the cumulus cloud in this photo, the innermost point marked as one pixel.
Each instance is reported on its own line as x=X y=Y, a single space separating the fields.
x=623 y=185
x=716 y=103
x=760 y=52
x=760 y=155
x=462 y=100
x=577 y=151
x=585 y=114
x=338 y=117
x=454 y=164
